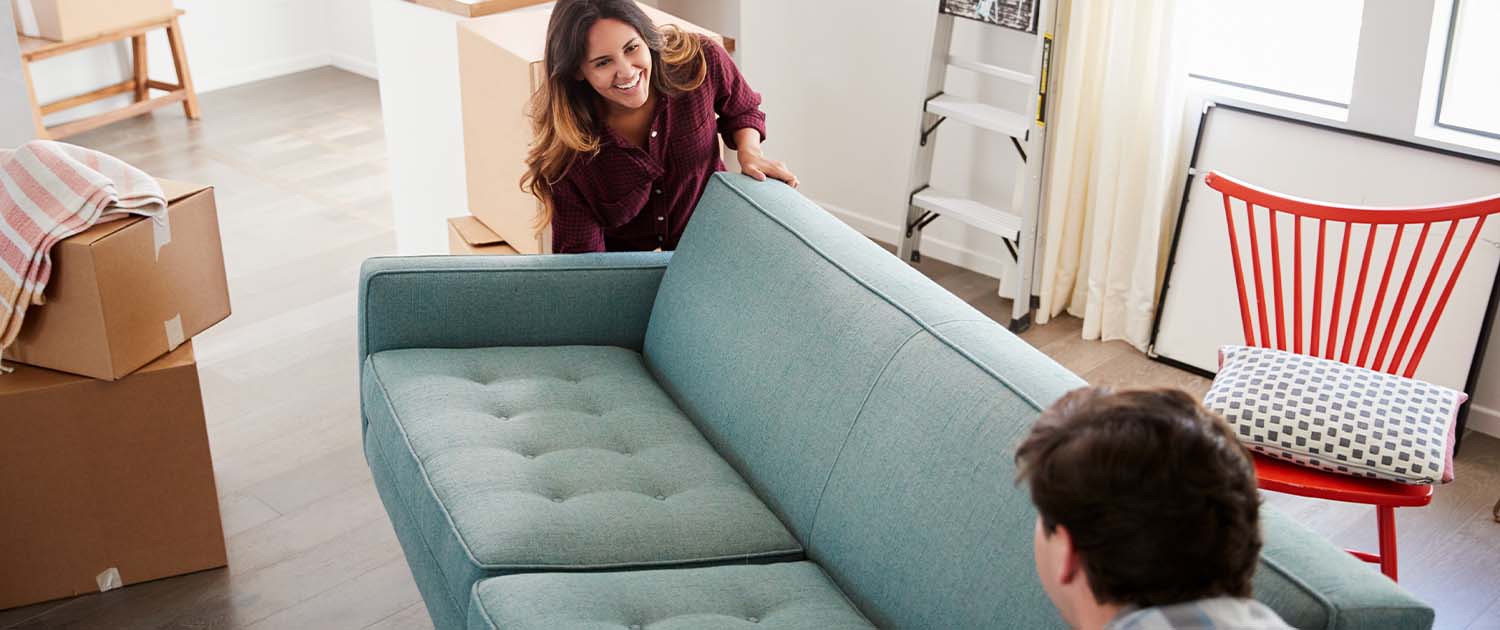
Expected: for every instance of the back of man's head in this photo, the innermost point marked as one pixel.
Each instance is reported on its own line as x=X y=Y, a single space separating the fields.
x=1157 y=496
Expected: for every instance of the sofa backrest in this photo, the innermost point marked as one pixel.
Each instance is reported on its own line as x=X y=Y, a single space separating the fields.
x=766 y=342
x=875 y=411
x=922 y=522
x=878 y=414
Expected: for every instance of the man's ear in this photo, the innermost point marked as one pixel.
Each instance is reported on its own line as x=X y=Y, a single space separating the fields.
x=1071 y=567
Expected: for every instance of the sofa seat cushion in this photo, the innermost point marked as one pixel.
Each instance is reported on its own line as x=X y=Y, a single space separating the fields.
x=555 y=458
x=782 y=596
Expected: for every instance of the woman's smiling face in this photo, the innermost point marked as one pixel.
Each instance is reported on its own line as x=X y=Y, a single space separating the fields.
x=617 y=64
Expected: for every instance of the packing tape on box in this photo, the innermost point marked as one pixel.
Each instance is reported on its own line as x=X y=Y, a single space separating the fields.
x=109 y=580
x=26 y=19
x=174 y=331
x=161 y=231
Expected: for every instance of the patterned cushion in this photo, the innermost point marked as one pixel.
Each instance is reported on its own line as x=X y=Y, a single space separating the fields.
x=1336 y=417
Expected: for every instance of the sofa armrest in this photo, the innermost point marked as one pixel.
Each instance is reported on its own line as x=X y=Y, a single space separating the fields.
x=1313 y=584
x=479 y=301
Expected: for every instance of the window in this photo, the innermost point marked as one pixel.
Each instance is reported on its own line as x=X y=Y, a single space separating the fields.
x=1292 y=48
x=1470 y=97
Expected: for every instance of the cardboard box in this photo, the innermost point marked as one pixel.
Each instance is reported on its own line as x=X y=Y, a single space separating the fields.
x=475 y=8
x=499 y=67
x=126 y=292
x=466 y=235
x=71 y=20
x=104 y=484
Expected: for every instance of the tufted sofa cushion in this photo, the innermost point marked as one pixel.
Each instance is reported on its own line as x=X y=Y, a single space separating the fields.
x=533 y=459
x=784 y=596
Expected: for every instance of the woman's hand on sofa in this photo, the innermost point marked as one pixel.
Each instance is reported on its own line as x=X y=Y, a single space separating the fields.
x=755 y=164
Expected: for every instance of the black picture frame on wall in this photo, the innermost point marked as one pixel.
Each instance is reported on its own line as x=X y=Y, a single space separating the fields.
x=1014 y=14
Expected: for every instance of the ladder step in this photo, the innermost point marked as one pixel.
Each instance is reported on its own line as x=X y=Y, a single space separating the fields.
x=979 y=115
x=970 y=212
x=974 y=65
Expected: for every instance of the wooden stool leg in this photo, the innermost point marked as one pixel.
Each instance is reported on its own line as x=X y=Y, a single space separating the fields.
x=138 y=57
x=1385 y=519
x=36 y=107
x=184 y=77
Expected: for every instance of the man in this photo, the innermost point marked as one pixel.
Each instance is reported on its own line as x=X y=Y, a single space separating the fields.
x=1147 y=513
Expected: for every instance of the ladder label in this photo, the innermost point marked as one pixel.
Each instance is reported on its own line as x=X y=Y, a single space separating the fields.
x=1041 y=90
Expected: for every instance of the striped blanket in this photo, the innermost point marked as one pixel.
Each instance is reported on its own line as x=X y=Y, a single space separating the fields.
x=48 y=192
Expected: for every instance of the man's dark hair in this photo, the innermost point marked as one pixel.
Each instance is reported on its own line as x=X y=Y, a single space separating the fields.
x=1158 y=495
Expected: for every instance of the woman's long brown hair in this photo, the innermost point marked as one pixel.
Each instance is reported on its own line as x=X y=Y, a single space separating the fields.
x=565 y=111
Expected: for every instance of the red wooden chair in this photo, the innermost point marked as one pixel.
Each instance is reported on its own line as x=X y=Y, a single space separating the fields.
x=1396 y=333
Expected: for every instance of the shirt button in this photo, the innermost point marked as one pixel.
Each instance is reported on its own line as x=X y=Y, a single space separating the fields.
x=661 y=238
x=653 y=133
x=658 y=191
x=661 y=218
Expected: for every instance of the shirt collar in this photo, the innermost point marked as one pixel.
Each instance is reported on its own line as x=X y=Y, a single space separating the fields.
x=608 y=137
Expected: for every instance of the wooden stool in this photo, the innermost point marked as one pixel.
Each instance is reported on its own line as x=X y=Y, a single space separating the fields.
x=33 y=49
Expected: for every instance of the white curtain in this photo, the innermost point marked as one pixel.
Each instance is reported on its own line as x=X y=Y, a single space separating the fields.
x=1113 y=159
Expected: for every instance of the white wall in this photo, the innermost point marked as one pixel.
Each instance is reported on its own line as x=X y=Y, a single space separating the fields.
x=719 y=16
x=351 y=38
x=420 y=101
x=15 y=108
x=229 y=42
x=842 y=101
x=1484 y=413
x=842 y=85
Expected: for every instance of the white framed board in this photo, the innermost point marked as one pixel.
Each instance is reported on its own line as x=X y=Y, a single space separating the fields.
x=1198 y=311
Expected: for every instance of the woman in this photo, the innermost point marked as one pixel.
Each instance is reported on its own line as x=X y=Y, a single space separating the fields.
x=625 y=128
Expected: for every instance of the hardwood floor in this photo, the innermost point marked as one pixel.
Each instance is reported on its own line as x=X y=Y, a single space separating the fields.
x=299 y=166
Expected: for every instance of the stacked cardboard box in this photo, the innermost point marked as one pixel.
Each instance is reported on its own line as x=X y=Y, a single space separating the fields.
x=72 y=20
x=105 y=475
x=499 y=67
x=123 y=293
x=467 y=235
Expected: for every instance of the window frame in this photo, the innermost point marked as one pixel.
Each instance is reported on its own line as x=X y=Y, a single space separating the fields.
x=1442 y=87
x=1299 y=102
x=1397 y=82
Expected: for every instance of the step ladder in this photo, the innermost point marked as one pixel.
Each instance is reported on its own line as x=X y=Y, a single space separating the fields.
x=1017 y=226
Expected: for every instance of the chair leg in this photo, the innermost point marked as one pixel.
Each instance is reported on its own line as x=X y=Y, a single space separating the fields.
x=39 y=128
x=138 y=60
x=184 y=77
x=1385 y=519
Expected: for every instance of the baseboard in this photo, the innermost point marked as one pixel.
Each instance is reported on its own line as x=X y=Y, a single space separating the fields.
x=362 y=67
x=251 y=74
x=945 y=251
x=1484 y=420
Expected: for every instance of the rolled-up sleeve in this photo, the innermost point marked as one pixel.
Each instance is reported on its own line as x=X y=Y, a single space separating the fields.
x=575 y=229
x=737 y=105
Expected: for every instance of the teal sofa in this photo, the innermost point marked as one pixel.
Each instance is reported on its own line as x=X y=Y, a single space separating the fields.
x=780 y=426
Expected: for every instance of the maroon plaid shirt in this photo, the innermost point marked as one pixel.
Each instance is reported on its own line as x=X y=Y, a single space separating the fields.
x=631 y=198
